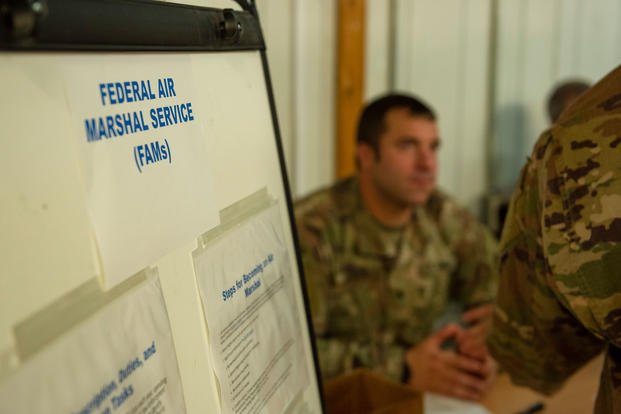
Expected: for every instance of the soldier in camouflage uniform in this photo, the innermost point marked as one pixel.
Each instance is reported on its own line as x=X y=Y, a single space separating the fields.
x=385 y=251
x=559 y=300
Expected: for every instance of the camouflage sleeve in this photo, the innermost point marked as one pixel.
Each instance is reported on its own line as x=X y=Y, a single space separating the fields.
x=535 y=336
x=315 y=261
x=476 y=277
x=316 y=257
x=338 y=353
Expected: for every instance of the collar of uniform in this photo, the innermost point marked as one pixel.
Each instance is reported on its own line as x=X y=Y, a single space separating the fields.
x=368 y=236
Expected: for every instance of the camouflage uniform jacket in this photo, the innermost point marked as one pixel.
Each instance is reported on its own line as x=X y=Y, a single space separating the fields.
x=375 y=291
x=559 y=300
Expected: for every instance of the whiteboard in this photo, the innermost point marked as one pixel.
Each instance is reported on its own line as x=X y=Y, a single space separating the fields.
x=93 y=212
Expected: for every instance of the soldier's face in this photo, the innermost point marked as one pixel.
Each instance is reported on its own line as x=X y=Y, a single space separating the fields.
x=405 y=169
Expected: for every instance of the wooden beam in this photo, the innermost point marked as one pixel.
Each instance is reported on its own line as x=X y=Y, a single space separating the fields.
x=350 y=81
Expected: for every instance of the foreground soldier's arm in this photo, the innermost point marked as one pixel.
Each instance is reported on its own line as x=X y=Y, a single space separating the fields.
x=536 y=336
x=559 y=299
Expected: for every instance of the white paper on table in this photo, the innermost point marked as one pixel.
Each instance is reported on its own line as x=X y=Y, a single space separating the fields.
x=120 y=360
x=439 y=404
x=245 y=283
x=144 y=177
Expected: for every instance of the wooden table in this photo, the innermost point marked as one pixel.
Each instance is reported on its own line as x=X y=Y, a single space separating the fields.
x=576 y=397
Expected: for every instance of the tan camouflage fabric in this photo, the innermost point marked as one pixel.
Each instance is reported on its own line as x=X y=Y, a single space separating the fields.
x=375 y=291
x=559 y=299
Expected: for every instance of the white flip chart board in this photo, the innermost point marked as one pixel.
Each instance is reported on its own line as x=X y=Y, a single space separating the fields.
x=148 y=261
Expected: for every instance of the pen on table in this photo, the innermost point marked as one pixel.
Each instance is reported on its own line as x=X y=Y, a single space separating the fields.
x=533 y=408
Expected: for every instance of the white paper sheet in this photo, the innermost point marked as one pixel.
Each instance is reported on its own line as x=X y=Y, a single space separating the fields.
x=439 y=404
x=120 y=360
x=245 y=283
x=142 y=155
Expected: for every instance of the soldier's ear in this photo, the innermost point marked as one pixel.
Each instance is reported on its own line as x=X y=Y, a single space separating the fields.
x=365 y=156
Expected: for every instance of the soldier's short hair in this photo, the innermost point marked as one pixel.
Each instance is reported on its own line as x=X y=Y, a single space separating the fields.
x=371 y=124
x=563 y=95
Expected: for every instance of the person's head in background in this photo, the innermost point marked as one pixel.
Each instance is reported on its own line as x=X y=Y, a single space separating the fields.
x=563 y=95
x=397 y=141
